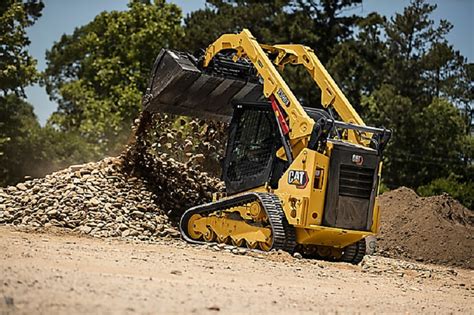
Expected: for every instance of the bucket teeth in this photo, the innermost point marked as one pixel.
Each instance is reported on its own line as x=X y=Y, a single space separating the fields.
x=178 y=86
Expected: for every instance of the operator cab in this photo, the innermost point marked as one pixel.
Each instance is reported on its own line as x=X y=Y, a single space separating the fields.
x=251 y=148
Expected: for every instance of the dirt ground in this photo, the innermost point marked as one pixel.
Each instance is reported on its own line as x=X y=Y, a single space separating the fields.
x=62 y=273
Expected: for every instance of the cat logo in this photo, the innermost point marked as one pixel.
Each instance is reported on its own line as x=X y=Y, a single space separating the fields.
x=298 y=178
x=357 y=159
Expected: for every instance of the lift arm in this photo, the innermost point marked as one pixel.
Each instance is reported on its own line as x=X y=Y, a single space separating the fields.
x=274 y=87
x=331 y=94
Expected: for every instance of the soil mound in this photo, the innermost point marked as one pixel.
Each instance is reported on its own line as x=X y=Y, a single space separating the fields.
x=431 y=229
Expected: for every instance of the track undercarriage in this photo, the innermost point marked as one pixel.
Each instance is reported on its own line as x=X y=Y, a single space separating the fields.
x=254 y=220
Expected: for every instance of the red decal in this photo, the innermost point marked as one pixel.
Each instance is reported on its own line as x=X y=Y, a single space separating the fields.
x=279 y=114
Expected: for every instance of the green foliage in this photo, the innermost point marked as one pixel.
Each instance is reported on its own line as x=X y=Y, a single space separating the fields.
x=17 y=67
x=420 y=95
x=318 y=24
x=99 y=73
x=28 y=149
x=383 y=188
x=357 y=62
x=462 y=191
x=425 y=145
x=17 y=123
x=57 y=150
x=17 y=70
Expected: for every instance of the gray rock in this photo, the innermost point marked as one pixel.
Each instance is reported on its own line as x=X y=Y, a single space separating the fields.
x=133 y=233
x=21 y=186
x=242 y=251
x=297 y=255
x=137 y=214
x=86 y=229
x=52 y=212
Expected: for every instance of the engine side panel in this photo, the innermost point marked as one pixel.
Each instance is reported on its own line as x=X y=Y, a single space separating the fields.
x=352 y=187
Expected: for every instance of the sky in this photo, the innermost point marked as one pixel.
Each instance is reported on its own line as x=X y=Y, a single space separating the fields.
x=63 y=16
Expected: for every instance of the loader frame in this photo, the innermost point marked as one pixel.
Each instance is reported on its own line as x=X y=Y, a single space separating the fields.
x=300 y=125
x=304 y=205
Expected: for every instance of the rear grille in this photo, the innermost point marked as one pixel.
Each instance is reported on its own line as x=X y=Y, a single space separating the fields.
x=356 y=181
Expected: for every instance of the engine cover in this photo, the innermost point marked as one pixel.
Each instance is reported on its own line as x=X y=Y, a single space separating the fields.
x=352 y=187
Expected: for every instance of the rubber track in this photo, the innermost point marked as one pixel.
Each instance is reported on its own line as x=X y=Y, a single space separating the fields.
x=283 y=234
x=354 y=253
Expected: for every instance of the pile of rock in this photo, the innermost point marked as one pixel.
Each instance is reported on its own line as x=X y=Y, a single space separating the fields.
x=139 y=195
x=178 y=186
x=98 y=199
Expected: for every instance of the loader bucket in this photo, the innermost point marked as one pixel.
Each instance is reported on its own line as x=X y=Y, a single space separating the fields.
x=178 y=86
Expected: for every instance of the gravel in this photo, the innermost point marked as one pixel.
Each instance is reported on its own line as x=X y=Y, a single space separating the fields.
x=97 y=199
x=139 y=195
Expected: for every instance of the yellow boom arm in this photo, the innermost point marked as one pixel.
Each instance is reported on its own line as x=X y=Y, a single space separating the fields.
x=300 y=124
x=331 y=94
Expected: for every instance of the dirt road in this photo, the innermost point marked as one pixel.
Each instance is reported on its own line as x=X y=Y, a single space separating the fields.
x=61 y=273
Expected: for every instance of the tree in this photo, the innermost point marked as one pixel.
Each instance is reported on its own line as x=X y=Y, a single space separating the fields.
x=17 y=70
x=408 y=78
x=99 y=73
x=30 y=150
x=17 y=124
x=321 y=25
x=357 y=62
x=204 y=26
x=423 y=67
x=25 y=147
x=412 y=41
x=425 y=145
x=17 y=67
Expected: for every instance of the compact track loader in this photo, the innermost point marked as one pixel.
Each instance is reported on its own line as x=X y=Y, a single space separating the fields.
x=296 y=178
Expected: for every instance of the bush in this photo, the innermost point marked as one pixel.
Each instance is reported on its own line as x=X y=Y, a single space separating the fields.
x=462 y=191
x=383 y=188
